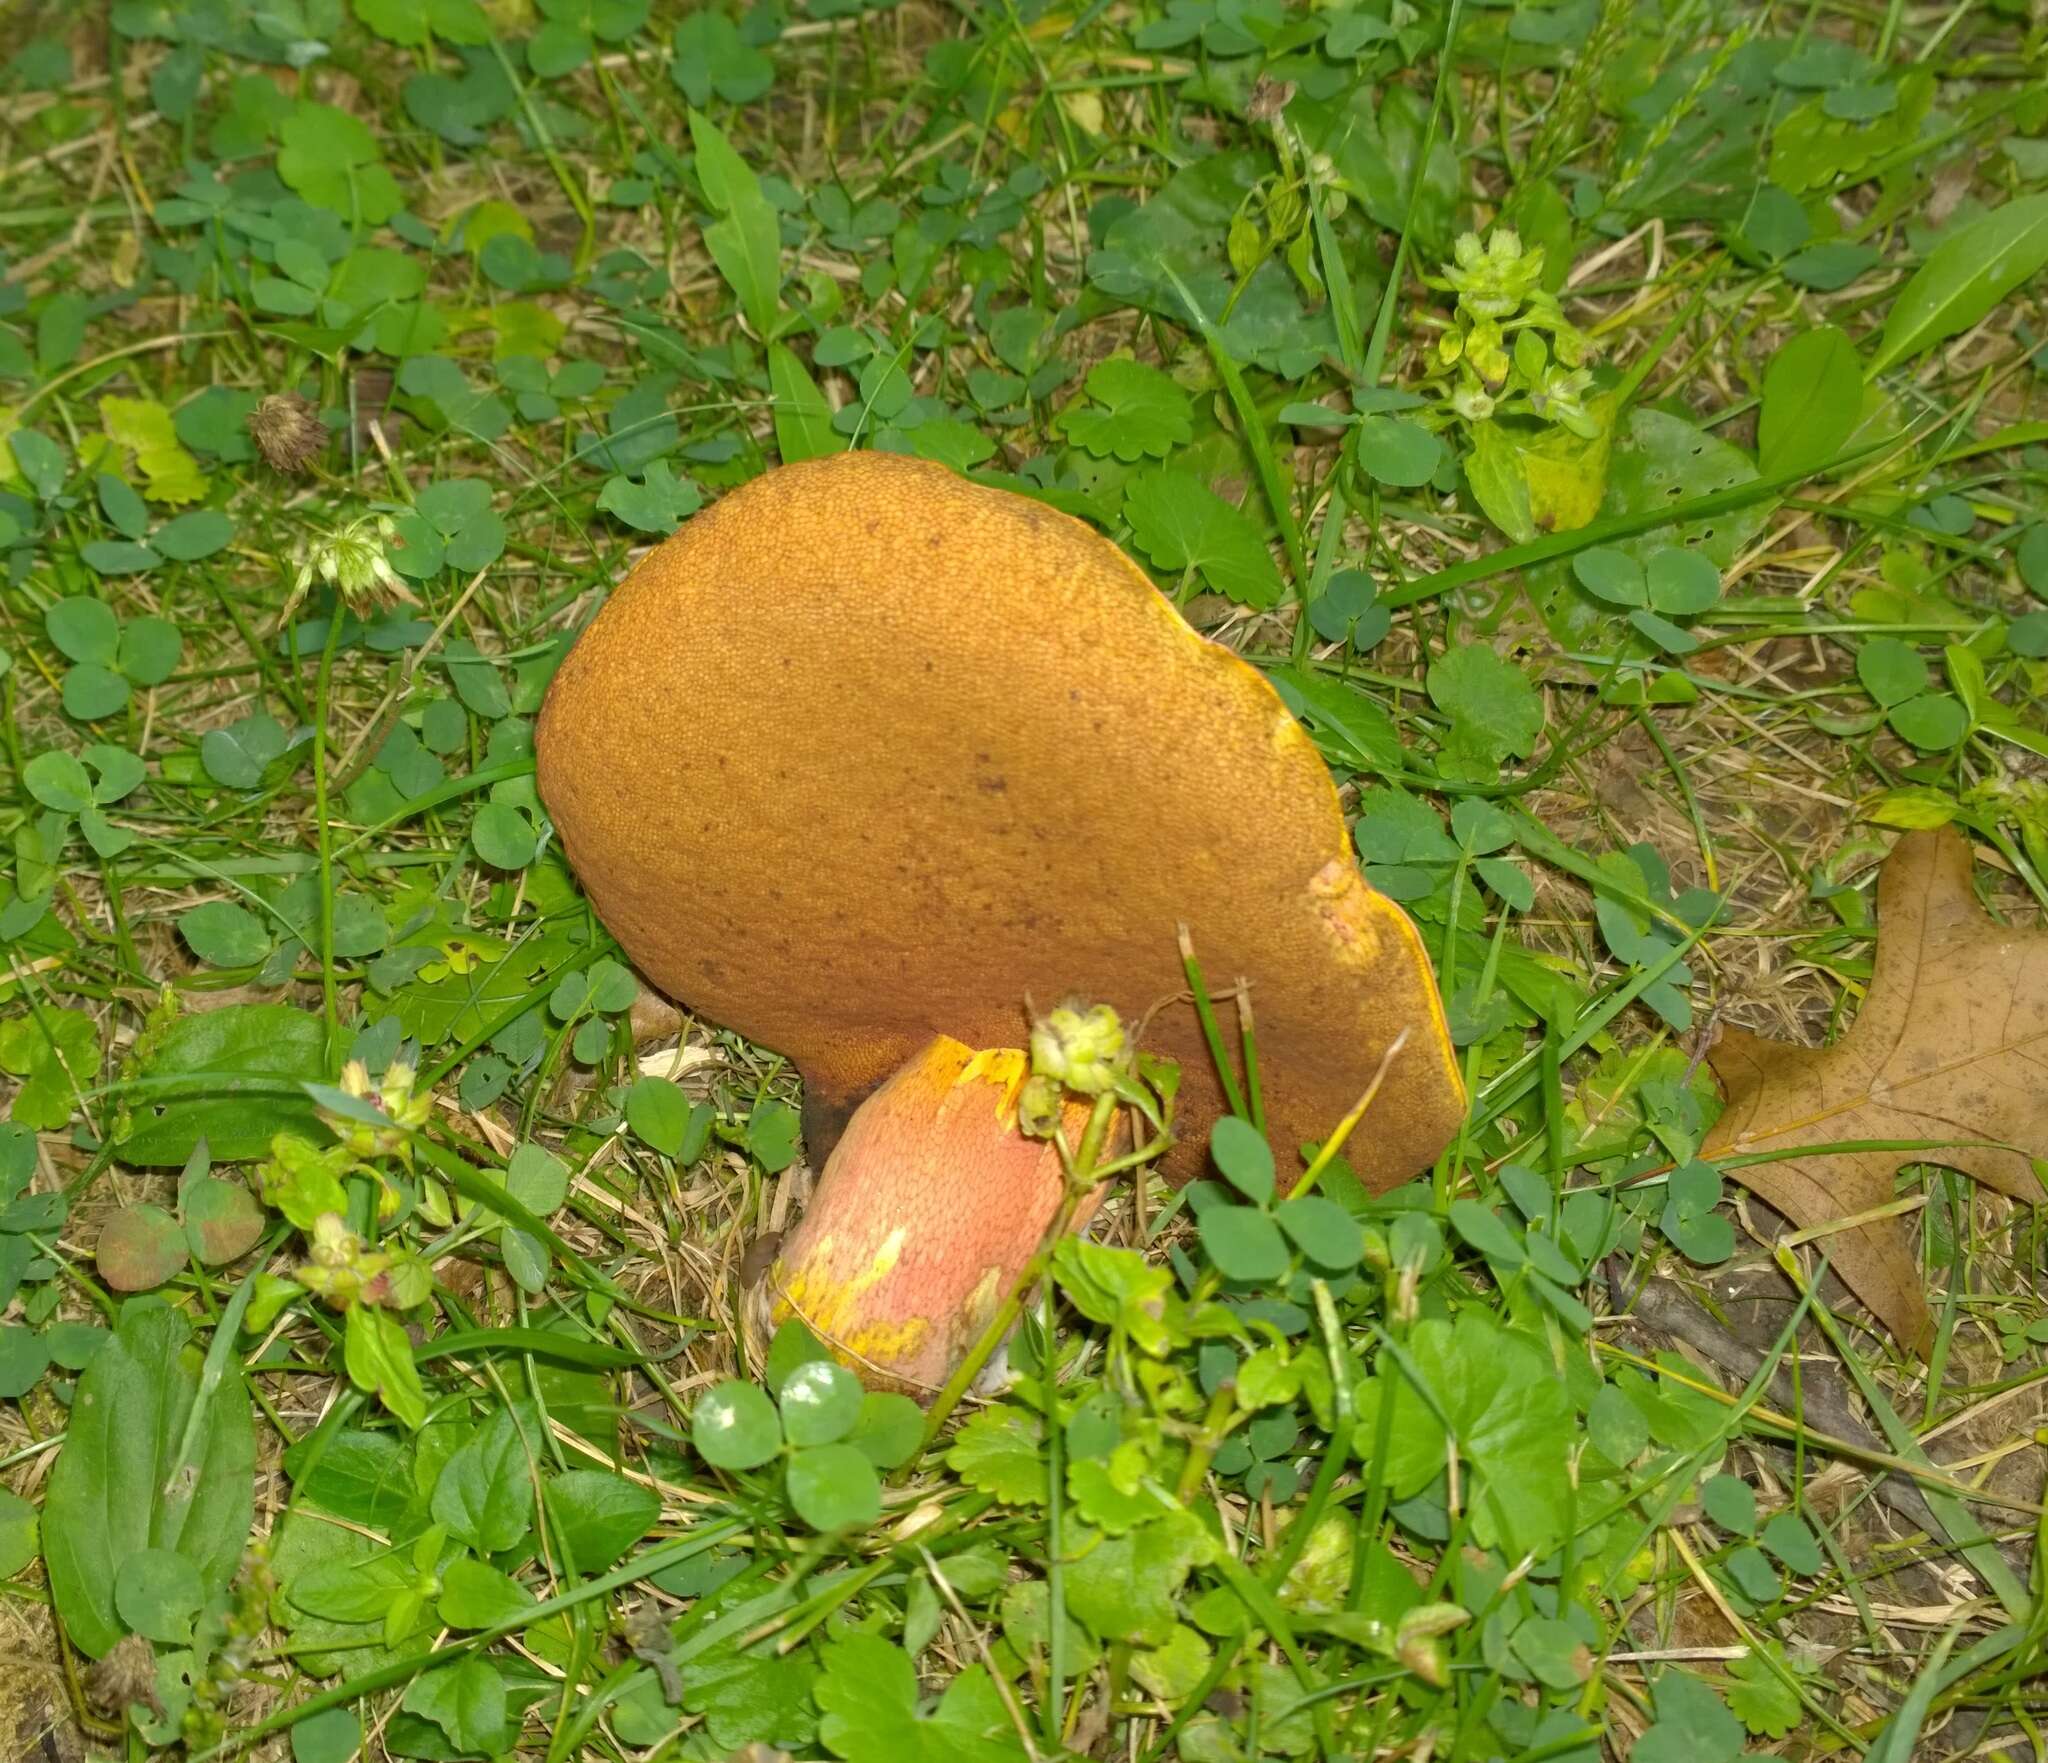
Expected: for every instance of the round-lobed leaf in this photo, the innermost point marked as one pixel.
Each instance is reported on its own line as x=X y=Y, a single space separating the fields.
x=504 y=837
x=332 y=1736
x=1245 y=1244
x=19 y=1538
x=1398 y=452
x=1243 y=1157
x=734 y=1426
x=223 y=1222
x=1933 y=723
x=1612 y=575
x=1682 y=583
x=1323 y=1231
x=834 y=1487
x=890 y=1429
x=84 y=629
x=139 y=1248
x=1891 y=671
x=821 y=1403
x=91 y=692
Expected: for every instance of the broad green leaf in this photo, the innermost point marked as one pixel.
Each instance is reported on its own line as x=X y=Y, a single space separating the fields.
x=834 y=1487
x=820 y=1402
x=237 y=1074
x=379 y=1358
x=1813 y=400
x=1180 y=523
x=746 y=241
x=803 y=418
x=599 y=1516
x=467 y=1702
x=484 y=1493
x=134 y=1406
x=476 y=1595
x=1966 y=275
x=1137 y=413
x=868 y=1694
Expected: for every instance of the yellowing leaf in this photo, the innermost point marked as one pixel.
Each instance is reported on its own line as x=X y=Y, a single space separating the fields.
x=142 y=426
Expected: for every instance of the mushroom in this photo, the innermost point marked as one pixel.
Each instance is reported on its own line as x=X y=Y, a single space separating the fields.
x=867 y=755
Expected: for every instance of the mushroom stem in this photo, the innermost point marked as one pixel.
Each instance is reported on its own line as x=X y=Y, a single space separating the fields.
x=1079 y=1185
x=931 y=1208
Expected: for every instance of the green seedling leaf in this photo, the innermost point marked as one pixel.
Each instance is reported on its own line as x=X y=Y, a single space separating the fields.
x=998 y=1452
x=149 y=651
x=24 y=1357
x=84 y=629
x=745 y=242
x=1731 y=1503
x=1682 y=583
x=223 y=1221
x=659 y=503
x=332 y=1736
x=1613 y=575
x=476 y=1595
x=20 y=1533
x=1933 y=722
x=1396 y=451
x=190 y=537
x=868 y=1695
x=59 y=781
x=237 y=756
x=467 y=1702
x=484 y=1493
x=660 y=1116
x=1494 y=709
x=223 y=934
x=240 y=1069
x=379 y=1359
x=503 y=836
x=1891 y=671
x=889 y=1431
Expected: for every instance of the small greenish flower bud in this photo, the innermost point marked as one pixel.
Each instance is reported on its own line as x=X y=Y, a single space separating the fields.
x=352 y=558
x=1493 y=279
x=1485 y=352
x=1038 y=1108
x=1286 y=212
x=1472 y=401
x=1245 y=243
x=1083 y=1050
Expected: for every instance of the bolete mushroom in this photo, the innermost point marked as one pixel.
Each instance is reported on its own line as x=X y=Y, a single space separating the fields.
x=865 y=756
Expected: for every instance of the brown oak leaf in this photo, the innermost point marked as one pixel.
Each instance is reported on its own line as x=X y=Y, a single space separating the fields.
x=1951 y=1045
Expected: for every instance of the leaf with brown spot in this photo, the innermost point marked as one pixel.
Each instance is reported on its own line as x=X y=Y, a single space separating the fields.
x=222 y=1220
x=139 y=1248
x=1951 y=1046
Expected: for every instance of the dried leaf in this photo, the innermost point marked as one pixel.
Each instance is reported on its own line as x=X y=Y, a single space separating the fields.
x=1949 y=1045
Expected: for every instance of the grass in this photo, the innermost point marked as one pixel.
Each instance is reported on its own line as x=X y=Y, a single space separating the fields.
x=1560 y=1451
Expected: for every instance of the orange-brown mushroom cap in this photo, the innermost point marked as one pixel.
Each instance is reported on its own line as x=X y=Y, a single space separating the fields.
x=867 y=753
